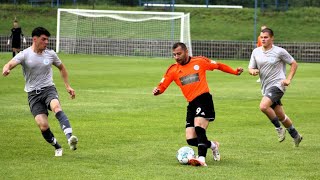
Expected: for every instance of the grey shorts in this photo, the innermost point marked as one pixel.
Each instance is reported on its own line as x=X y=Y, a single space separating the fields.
x=39 y=100
x=275 y=94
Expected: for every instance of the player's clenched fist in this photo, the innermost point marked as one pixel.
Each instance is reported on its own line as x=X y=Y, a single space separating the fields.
x=239 y=70
x=156 y=91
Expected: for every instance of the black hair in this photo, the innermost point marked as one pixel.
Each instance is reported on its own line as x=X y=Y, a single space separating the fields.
x=179 y=44
x=38 y=31
x=267 y=30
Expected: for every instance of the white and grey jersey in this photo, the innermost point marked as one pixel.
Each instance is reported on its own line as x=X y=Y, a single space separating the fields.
x=271 y=65
x=37 y=70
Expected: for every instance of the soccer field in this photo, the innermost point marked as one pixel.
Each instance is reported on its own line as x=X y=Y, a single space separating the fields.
x=126 y=133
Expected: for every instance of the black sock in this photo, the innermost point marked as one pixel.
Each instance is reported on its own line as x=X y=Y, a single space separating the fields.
x=292 y=131
x=64 y=123
x=13 y=53
x=49 y=137
x=276 y=122
x=193 y=142
x=203 y=143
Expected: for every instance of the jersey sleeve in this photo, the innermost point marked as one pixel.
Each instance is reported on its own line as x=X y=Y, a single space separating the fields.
x=208 y=63
x=211 y=65
x=56 y=60
x=285 y=56
x=20 y=57
x=166 y=80
x=253 y=62
x=227 y=69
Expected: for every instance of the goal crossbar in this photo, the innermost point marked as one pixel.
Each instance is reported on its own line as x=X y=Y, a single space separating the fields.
x=83 y=22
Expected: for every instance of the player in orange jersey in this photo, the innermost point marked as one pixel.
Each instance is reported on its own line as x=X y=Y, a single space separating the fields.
x=189 y=73
x=259 y=42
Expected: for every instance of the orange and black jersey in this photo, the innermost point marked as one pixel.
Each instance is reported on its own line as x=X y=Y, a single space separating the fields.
x=259 y=41
x=191 y=77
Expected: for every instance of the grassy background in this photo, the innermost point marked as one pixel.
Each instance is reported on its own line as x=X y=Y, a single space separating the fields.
x=294 y=25
x=127 y=133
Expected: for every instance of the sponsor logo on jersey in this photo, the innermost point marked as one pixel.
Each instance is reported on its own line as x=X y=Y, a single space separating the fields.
x=189 y=79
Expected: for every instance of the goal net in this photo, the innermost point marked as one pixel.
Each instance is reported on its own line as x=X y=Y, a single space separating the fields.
x=121 y=33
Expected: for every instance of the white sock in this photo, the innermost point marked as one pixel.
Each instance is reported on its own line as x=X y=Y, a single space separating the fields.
x=202 y=159
x=213 y=145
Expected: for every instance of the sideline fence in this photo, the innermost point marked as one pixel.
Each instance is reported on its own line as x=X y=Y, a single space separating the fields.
x=302 y=52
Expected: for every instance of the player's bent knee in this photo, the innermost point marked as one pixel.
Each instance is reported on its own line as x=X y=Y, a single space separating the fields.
x=43 y=127
x=263 y=107
x=56 y=108
x=192 y=142
x=55 y=105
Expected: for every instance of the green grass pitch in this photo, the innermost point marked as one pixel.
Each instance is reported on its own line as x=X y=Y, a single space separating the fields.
x=126 y=133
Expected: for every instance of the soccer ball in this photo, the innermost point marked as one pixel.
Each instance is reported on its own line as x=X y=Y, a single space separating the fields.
x=184 y=154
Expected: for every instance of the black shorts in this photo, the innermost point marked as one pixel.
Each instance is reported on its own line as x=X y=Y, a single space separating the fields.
x=201 y=106
x=16 y=44
x=275 y=94
x=39 y=100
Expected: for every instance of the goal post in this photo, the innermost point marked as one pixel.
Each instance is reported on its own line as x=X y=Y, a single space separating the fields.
x=121 y=33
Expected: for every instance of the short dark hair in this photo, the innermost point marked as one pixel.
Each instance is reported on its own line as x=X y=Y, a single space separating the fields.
x=267 y=30
x=38 y=31
x=179 y=44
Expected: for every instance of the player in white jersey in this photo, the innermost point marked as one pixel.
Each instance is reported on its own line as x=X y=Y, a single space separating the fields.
x=269 y=62
x=259 y=43
x=36 y=62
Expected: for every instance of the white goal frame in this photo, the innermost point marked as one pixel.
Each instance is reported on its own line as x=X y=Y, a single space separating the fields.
x=159 y=17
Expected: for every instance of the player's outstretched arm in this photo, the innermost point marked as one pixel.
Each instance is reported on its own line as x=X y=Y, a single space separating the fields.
x=228 y=69
x=7 y=67
x=162 y=86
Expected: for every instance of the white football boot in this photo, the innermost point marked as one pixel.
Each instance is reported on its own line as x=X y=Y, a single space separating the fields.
x=73 y=141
